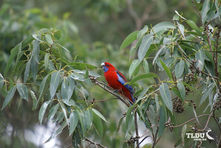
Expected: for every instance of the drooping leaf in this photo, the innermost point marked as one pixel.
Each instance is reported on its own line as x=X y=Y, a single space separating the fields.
x=27 y=70
x=129 y=39
x=182 y=90
x=43 y=110
x=49 y=39
x=67 y=88
x=167 y=70
x=9 y=97
x=163 y=26
x=166 y=96
x=42 y=86
x=99 y=114
x=193 y=25
x=207 y=92
x=146 y=66
x=179 y=69
x=162 y=121
x=200 y=56
x=35 y=58
x=97 y=122
x=144 y=46
x=64 y=111
x=205 y=10
x=55 y=80
x=133 y=67
x=129 y=116
x=158 y=53
x=46 y=60
x=22 y=90
x=34 y=99
x=2 y=81
x=73 y=122
x=53 y=111
x=181 y=28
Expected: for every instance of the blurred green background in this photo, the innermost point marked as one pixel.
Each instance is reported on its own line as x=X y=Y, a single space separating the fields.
x=93 y=31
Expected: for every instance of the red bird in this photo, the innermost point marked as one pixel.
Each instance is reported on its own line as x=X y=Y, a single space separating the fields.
x=117 y=81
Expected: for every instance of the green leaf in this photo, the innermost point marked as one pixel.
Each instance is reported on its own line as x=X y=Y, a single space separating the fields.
x=49 y=39
x=82 y=66
x=85 y=119
x=9 y=97
x=193 y=25
x=53 y=111
x=55 y=80
x=64 y=111
x=146 y=66
x=67 y=88
x=34 y=98
x=129 y=116
x=99 y=114
x=35 y=58
x=166 y=96
x=181 y=28
x=207 y=92
x=42 y=86
x=204 y=11
x=76 y=138
x=46 y=60
x=133 y=67
x=163 y=26
x=97 y=122
x=179 y=69
x=181 y=89
x=73 y=122
x=144 y=46
x=13 y=53
x=129 y=39
x=158 y=53
x=142 y=32
x=162 y=121
x=119 y=123
x=27 y=71
x=200 y=56
x=42 y=110
x=167 y=70
x=22 y=90
x=143 y=76
x=2 y=81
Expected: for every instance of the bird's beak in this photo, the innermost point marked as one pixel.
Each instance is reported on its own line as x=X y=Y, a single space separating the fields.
x=102 y=65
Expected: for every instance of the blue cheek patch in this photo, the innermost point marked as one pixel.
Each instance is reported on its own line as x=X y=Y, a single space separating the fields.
x=105 y=69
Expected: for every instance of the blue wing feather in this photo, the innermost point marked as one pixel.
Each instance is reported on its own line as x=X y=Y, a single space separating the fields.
x=122 y=80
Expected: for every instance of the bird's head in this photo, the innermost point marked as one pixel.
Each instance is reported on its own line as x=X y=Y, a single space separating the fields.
x=107 y=66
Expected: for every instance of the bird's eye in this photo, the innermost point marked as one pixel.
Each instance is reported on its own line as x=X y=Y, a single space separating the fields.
x=108 y=65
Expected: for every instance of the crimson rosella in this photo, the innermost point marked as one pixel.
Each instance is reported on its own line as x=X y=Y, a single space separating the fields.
x=117 y=81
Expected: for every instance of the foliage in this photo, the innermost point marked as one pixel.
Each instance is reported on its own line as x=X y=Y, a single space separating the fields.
x=48 y=69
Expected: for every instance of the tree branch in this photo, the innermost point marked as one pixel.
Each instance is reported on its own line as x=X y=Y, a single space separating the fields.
x=108 y=89
x=96 y=144
x=179 y=125
x=136 y=128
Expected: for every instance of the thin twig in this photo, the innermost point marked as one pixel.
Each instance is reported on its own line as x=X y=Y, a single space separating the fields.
x=136 y=128
x=108 y=89
x=96 y=144
x=207 y=122
x=192 y=119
